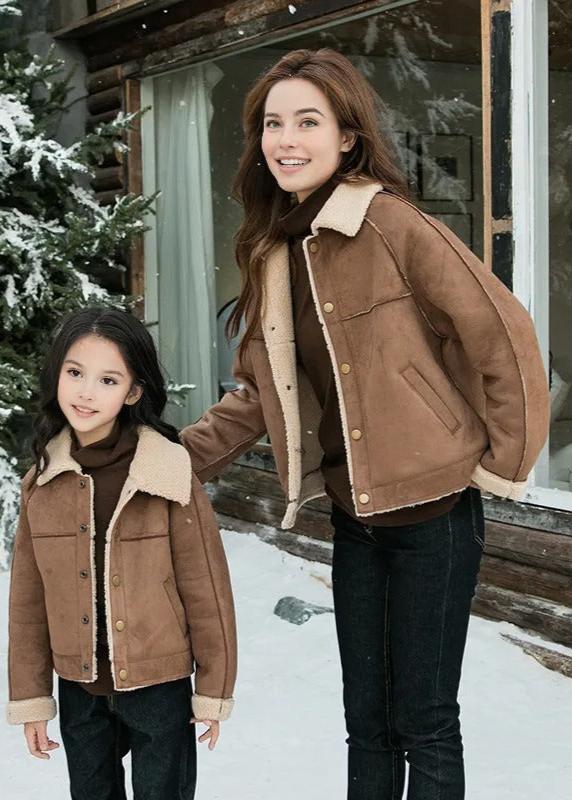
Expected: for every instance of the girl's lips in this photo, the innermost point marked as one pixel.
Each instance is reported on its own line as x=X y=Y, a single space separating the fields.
x=83 y=413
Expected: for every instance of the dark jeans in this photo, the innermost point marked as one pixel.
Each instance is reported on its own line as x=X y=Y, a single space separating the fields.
x=152 y=723
x=402 y=599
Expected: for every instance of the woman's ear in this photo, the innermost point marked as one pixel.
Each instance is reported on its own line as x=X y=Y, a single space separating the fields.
x=134 y=394
x=348 y=141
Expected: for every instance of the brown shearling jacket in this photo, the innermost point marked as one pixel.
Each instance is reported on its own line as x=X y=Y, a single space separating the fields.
x=438 y=371
x=168 y=595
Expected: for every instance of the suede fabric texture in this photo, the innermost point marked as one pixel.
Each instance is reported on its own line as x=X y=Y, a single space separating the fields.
x=168 y=597
x=445 y=385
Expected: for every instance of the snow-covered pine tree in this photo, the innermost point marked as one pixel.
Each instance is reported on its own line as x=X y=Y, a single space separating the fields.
x=53 y=237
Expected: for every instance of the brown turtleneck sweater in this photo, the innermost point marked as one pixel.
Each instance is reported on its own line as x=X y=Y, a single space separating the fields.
x=313 y=357
x=108 y=462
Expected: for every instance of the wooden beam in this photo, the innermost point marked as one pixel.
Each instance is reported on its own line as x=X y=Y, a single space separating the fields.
x=487 y=146
x=134 y=185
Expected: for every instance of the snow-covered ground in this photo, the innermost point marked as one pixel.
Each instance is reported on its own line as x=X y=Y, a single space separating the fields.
x=286 y=736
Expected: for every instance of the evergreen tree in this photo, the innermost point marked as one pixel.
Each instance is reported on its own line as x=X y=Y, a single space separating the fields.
x=54 y=238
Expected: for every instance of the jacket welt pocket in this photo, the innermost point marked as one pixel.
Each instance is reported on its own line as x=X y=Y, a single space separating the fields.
x=431 y=398
x=176 y=604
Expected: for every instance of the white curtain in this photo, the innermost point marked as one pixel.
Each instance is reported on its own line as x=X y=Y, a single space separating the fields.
x=185 y=236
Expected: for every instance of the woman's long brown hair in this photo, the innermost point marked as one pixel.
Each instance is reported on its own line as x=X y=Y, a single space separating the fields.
x=357 y=108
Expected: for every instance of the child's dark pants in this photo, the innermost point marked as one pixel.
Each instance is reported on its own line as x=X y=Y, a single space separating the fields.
x=152 y=723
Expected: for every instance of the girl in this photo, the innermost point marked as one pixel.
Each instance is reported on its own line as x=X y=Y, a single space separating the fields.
x=393 y=372
x=119 y=579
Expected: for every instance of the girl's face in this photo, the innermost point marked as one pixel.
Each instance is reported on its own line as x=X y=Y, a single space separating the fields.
x=93 y=386
x=301 y=140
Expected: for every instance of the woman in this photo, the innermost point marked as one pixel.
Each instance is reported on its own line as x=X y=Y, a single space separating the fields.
x=393 y=372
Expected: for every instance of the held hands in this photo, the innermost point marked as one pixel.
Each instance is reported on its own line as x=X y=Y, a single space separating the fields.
x=211 y=734
x=36 y=734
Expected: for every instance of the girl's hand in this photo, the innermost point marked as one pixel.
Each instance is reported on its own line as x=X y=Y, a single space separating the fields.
x=212 y=733
x=36 y=734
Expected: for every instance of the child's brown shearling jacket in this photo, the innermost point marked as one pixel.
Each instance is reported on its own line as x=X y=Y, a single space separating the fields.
x=168 y=595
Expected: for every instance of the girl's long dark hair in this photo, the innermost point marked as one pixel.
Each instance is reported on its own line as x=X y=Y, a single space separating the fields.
x=358 y=109
x=137 y=348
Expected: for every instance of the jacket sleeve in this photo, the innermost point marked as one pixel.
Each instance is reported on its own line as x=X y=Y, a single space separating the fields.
x=462 y=298
x=228 y=428
x=203 y=583
x=30 y=666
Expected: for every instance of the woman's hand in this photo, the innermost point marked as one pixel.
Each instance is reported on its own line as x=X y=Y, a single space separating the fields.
x=36 y=734
x=211 y=734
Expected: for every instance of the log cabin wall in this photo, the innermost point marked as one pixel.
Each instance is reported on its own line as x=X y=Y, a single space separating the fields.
x=526 y=575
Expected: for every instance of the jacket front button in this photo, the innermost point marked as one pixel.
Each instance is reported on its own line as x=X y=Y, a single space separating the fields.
x=123 y=674
x=85 y=619
x=85 y=667
x=83 y=573
x=82 y=484
x=83 y=527
x=346 y=368
x=357 y=434
x=364 y=498
x=116 y=580
x=314 y=247
x=119 y=625
x=328 y=308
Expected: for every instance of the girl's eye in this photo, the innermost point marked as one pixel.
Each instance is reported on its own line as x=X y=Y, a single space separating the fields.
x=271 y=123
x=73 y=372
x=311 y=122
x=109 y=381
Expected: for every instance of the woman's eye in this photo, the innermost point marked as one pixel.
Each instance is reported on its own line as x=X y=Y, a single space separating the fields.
x=271 y=123
x=309 y=123
x=73 y=372
x=109 y=381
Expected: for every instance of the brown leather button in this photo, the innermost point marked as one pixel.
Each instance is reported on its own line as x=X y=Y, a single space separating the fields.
x=356 y=435
x=123 y=675
x=119 y=625
x=83 y=527
x=314 y=247
x=328 y=308
x=85 y=619
x=83 y=573
x=82 y=484
x=116 y=580
x=364 y=498
x=345 y=368
x=85 y=667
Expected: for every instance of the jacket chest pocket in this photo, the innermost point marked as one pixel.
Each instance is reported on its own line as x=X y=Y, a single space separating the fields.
x=144 y=517
x=431 y=399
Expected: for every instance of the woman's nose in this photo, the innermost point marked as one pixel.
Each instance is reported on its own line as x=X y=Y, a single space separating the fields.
x=288 y=137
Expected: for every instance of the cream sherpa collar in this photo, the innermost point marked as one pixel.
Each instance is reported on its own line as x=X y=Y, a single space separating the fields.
x=159 y=467
x=345 y=209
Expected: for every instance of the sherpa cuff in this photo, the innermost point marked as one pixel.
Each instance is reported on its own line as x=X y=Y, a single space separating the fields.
x=501 y=487
x=212 y=707
x=33 y=709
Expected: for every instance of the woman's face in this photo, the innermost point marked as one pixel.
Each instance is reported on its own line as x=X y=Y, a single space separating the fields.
x=302 y=141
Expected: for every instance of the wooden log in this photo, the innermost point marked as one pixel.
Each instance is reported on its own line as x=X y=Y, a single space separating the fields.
x=106 y=100
x=108 y=178
x=97 y=119
x=105 y=79
x=540 y=549
x=106 y=198
x=532 y=613
x=527 y=580
x=549 y=658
